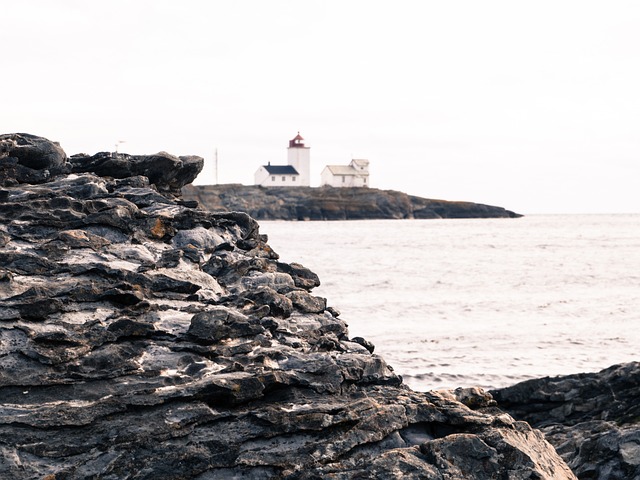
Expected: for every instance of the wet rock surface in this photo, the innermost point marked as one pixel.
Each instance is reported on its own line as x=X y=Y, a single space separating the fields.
x=592 y=419
x=328 y=203
x=143 y=338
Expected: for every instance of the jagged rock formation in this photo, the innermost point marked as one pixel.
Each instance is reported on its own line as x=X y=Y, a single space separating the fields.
x=142 y=338
x=328 y=203
x=593 y=419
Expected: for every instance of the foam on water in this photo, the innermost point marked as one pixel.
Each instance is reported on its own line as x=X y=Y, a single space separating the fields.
x=480 y=302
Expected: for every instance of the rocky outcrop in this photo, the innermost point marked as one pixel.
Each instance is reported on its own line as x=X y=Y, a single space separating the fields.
x=30 y=159
x=143 y=338
x=328 y=203
x=592 y=419
x=166 y=172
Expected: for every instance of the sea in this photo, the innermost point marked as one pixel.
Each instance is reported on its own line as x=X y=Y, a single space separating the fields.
x=479 y=302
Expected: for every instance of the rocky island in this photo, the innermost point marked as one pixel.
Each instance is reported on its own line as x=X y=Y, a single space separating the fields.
x=330 y=203
x=142 y=337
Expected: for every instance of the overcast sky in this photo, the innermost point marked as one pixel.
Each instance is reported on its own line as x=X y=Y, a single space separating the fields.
x=533 y=106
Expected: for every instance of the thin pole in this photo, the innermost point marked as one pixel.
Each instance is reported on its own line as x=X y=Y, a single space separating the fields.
x=216 y=166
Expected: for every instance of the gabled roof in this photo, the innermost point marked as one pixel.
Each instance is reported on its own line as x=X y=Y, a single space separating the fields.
x=343 y=170
x=361 y=162
x=281 y=170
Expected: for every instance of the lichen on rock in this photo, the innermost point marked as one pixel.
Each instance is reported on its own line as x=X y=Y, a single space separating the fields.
x=141 y=337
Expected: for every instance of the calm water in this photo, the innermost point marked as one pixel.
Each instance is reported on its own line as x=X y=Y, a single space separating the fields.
x=480 y=302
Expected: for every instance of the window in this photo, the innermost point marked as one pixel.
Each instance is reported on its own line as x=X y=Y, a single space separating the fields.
x=364 y=179
x=344 y=179
x=284 y=178
x=293 y=179
x=273 y=178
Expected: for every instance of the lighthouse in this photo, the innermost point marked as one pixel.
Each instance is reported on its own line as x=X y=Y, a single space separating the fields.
x=298 y=156
x=295 y=174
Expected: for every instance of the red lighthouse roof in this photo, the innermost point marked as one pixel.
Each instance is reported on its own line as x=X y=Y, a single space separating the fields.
x=297 y=141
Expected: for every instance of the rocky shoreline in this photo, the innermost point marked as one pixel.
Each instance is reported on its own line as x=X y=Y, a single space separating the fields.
x=329 y=203
x=144 y=337
x=592 y=419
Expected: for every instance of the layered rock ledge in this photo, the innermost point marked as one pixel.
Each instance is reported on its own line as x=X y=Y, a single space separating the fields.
x=143 y=338
x=328 y=203
x=593 y=419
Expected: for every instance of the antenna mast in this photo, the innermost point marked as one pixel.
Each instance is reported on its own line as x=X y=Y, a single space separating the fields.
x=216 y=166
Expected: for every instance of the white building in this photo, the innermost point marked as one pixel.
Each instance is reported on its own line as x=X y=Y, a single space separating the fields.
x=277 y=176
x=295 y=174
x=356 y=174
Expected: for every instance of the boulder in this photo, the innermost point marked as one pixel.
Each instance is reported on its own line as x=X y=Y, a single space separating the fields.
x=143 y=338
x=29 y=158
x=592 y=419
x=31 y=151
x=167 y=172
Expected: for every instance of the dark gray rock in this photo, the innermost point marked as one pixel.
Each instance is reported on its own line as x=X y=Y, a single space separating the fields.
x=365 y=343
x=592 y=419
x=26 y=158
x=328 y=203
x=32 y=152
x=167 y=172
x=279 y=305
x=307 y=303
x=302 y=276
x=143 y=338
x=220 y=323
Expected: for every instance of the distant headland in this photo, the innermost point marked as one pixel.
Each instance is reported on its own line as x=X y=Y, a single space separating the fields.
x=283 y=192
x=330 y=203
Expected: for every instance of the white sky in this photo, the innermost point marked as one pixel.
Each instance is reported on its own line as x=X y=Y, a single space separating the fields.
x=533 y=106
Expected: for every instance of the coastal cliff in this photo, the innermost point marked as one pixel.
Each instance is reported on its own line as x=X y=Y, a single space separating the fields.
x=329 y=203
x=142 y=337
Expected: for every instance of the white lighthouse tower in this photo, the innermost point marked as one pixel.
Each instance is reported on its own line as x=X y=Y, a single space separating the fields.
x=298 y=156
